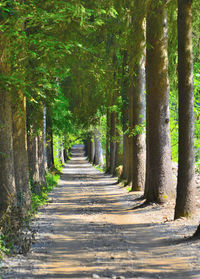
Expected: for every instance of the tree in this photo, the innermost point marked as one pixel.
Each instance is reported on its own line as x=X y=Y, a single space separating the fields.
x=20 y=152
x=125 y=125
x=137 y=100
x=98 y=158
x=112 y=141
x=41 y=149
x=159 y=185
x=49 y=139
x=108 y=141
x=185 y=200
x=35 y=146
x=7 y=174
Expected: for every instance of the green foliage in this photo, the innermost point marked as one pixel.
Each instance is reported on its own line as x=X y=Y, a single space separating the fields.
x=77 y=57
x=38 y=200
x=129 y=188
x=99 y=168
x=137 y=130
x=197 y=113
x=4 y=247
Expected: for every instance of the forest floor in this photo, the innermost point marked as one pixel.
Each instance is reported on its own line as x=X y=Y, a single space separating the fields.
x=89 y=230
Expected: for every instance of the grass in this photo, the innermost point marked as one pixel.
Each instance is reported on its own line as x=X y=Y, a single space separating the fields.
x=4 y=248
x=129 y=188
x=37 y=200
x=40 y=199
x=98 y=167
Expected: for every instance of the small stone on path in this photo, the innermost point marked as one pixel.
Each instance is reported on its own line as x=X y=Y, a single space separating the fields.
x=95 y=276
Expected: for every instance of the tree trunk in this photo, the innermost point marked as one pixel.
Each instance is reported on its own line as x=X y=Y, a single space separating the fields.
x=118 y=157
x=185 y=200
x=20 y=153
x=125 y=125
x=139 y=146
x=86 y=147
x=125 y=157
x=112 y=141
x=92 y=150
x=98 y=149
x=130 y=135
x=45 y=137
x=49 y=140
x=88 y=142
x=33 y=161
x=159 y=184
x=108 y=141
x=7 y=176
x=61 y=151
x=41 y=158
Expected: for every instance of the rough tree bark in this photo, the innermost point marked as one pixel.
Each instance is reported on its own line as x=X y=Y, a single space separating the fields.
x=112 y=141
x=20 y=152
x=108 y=141
x=98 y=149
x=125 y=157
x=88 y=147
x=32 y=141
x=61 y=151
x=125 y=119
x=185 y=200
x=138 y=107
x=41 y=158
x=7 y=175
x=159 y=184
x=49 y=140
x=45 y=137
x=92 y=151
x=139 y=146
x=118 y=157
x=130 y=136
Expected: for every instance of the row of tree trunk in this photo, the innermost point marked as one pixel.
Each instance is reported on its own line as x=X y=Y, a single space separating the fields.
x=94 y=150
x=23 y=160
x=147 y=164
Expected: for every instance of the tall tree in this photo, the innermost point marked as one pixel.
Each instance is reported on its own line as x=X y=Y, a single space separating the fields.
x=118 y=157
x=41 y=148
x=112 y=141
x=20 y=152
x=35 y=146
x=49 y=139
x=137 y=77
x=125 y=125
x=185 y=200
x=98 y=158
x=159 y=184
x=130 y=135
x=108 y=141
x=7 y=175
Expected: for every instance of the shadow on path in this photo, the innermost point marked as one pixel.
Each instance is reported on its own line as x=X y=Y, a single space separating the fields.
x=86 y=232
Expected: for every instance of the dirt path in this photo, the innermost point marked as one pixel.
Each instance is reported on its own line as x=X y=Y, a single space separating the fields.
x=87 y=232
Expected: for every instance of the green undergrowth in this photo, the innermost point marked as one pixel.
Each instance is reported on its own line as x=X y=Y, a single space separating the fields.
x=98 y=167
x=4 y=247
x=129 y=188
x=40 y=199
x=9 y=237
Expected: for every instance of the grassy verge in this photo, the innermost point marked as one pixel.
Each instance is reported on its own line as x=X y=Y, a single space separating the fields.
x=12 y=241
x=39 y=199
x=98 y=167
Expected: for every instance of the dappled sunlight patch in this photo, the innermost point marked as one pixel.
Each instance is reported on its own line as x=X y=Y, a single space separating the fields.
x=88 y=229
